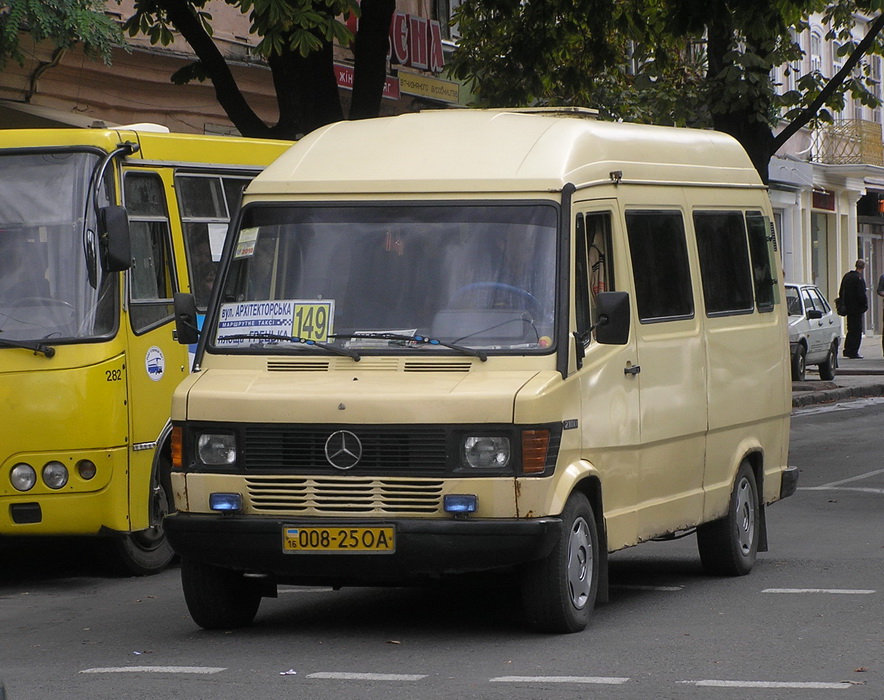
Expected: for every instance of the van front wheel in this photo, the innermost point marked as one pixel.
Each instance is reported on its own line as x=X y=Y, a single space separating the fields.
x=559 y=592
x=218 y=598
x=728 y=546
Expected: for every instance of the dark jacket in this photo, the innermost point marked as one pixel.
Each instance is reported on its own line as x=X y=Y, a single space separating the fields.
x=853 y=293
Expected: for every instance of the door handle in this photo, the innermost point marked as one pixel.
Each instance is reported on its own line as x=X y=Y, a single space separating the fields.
x=632 y=369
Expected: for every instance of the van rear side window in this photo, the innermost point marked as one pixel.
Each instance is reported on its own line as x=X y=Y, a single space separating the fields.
x=660 y=266
x=762 y=245
x=724 y=261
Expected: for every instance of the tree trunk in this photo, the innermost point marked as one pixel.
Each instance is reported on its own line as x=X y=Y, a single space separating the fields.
x=743 y=123
x=370 y=58
x=227 y=92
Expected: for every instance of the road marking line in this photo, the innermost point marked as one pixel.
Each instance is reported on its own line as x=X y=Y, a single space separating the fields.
x=835 y=484
x=667 y=589
x=156 y=669
x=595 y=680
x=282 y=590
x=769 y=684
x=857 y=489
x=331 y=675
x=836 y=591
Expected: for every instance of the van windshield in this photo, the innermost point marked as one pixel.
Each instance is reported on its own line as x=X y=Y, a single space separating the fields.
x=46 y=290
x=386 y=277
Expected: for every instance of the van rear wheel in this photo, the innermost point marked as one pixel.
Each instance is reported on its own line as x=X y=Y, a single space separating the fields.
x=218 y=598
x=559 y=592
x=729 y=546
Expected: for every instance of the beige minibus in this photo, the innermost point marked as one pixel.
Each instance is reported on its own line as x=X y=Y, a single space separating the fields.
x=469 y=341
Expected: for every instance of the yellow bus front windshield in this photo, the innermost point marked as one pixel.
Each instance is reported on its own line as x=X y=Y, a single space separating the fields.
x=48 y=245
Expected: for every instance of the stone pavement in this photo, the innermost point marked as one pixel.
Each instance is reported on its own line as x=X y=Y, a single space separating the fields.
x=853 y=378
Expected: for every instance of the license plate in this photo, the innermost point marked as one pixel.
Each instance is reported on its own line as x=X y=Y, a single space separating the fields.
x=339 y=540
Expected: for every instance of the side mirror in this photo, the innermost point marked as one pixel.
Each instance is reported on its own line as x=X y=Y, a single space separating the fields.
x=186 y=330
x=612 y=326
x=814 y=314
x=114 y=240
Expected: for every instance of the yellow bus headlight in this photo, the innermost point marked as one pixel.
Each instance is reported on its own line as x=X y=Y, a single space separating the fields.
x=23 y=477
x=55 y=475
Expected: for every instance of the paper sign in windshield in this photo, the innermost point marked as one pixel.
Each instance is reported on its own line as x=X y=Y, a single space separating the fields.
x=291 y=320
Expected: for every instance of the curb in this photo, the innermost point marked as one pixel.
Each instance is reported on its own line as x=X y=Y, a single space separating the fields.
x=809 y=398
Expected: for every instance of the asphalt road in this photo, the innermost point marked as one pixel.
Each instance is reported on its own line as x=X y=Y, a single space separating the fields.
x=806 y=623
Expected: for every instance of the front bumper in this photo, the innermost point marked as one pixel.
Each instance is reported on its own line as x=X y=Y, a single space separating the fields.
x=425 y=548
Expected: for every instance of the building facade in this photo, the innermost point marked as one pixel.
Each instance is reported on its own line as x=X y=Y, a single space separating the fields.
x=65 y=88
x=827 y=182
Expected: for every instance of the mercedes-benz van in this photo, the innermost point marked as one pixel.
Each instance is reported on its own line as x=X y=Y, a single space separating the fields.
x=470 y=340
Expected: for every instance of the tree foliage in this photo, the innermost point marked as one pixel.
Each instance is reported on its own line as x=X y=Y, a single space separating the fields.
x=681 y=62
x=65 y=23
x=297 y=39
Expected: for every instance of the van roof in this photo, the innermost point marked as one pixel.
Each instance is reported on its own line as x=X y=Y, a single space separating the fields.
x=499 y=151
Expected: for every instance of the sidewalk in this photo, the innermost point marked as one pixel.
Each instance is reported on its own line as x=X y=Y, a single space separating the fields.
x=853 y=378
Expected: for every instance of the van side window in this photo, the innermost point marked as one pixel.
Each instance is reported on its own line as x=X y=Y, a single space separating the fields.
x=724 y=261
x=594 y=266
x=659 y=255
x=151 y=282
x=762 y=244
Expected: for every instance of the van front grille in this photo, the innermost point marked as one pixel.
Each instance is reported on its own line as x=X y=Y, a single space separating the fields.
x=343 y=496
x=301 y=449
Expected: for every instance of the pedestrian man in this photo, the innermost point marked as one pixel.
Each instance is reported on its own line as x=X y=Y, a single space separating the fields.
x=855 y=302
x=880 y=292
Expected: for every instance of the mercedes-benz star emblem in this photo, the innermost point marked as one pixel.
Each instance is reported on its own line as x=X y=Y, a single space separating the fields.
x=343 y=450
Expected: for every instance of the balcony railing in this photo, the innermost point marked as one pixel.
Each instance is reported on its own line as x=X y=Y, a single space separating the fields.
x=849 y=141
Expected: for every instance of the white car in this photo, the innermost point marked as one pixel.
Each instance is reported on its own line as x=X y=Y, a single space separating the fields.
x=814 y=331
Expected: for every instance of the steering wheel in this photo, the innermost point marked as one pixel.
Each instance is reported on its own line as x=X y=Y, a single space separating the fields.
x=533 y=304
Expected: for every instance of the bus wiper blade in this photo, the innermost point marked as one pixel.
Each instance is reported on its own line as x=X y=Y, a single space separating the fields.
x=35 y=345
x=293 y=339
x=420 y=339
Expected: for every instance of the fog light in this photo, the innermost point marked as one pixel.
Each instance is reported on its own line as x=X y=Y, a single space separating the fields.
x=460 y=503
x=55 y=475
x=225 y=502
x=23 y=477
x=86 y=469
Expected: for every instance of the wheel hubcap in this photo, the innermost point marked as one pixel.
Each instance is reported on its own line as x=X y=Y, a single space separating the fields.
x=579 y=563
x=745 y=516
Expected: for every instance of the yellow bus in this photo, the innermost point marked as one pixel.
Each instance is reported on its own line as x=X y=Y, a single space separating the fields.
x=98 y=230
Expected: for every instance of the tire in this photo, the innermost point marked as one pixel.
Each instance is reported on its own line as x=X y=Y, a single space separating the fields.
x=729 y=546
x=148 y=552
x=559 y=592
x=799 y=364
x=827 y=368
x=218 y=598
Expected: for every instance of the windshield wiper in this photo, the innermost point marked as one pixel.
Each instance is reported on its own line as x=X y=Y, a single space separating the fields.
x=420 y=339
x=293 y=339
x=35 y=345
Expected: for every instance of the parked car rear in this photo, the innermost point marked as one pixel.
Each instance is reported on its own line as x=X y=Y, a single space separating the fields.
x=814 y=331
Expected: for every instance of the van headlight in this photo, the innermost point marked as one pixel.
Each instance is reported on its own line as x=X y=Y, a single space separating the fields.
x=216 y=449
x=486 y=452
